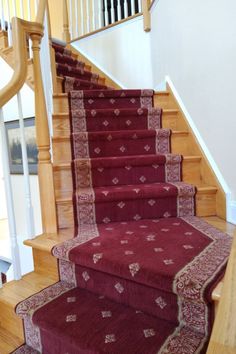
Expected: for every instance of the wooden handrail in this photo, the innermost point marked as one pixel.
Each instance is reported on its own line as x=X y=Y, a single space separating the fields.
x=45 y=172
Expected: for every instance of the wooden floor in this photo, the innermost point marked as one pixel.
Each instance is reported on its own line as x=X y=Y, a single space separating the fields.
x=11 y=334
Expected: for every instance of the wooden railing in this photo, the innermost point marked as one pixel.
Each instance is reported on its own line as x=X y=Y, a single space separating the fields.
x=82 y=17
x=21 y=31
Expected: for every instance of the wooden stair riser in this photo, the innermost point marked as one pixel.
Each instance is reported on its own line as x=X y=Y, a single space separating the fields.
x=10 y=321
x=63 y=176
x=205 y=206
x=62 y=147
x=45 y=264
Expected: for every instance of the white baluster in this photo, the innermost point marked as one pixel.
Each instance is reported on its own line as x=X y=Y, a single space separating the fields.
x=76 y=19
x=9 y=31
x=100 y=14
x=132 y=7
x=22 y=9
x=29 y=10
x=82 y=17
x=139 y=6
x=3 y=23
x=71 y=19
x=112 y=12
x=93 y=16
x=36 y=3
x=28 y=201
x=125 y=8
x=106 y=13
x=14 y=8
x=119 y=10
x=10 y=204
x=88 y=14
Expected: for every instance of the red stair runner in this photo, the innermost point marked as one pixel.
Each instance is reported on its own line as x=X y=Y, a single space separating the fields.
x=138 y=276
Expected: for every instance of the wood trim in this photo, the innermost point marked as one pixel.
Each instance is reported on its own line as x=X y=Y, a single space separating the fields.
x=107 y=27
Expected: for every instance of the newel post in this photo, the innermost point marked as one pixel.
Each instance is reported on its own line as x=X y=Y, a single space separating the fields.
x=45 y=170
x=66 y=31
x=146 y=15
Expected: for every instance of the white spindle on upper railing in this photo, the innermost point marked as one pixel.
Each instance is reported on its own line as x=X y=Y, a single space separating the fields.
x=125 y=8
x=22 y=12
x=88 y=14
x=93 y=15
x=106 y=13
x=100 y=14
x=70 y=19
x=82 y=29
x=14 y=8
x=10 y=205
x=112 y=11
x=139 y=5
x=132 y=7
x=119 y=10
x=3 y=23
x=9 y=32
x=76 y=19
x=28 y=200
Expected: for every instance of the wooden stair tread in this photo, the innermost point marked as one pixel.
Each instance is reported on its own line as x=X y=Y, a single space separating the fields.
x=8 y=341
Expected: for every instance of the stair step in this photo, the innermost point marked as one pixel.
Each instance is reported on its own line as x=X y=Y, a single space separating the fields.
x=205 y=205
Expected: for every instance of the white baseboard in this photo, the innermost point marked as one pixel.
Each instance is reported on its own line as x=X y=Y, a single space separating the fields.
x=230 y=205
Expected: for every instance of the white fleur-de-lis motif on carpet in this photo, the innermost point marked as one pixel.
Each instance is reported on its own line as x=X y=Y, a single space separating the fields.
x=90 y=101
x=105 y=123
x=105 y=193
x=71 y=299
x=112 y=100
x=151 y=202
x=176 y=223
x=119 y=287
x=117 y=112
x=93 y=112
x=158 y=249
x=123 y=94
x=106 y=220
x=161 y=302
x=143 y=226
x=122 y=148
x=100 y=169
x=128 y=122
x=123 y=222
x=137 y=217
x=150 y=238
x=136 y=190
x=115 y=180
x=166 y=214
x=149 y=332
x=85 y=276
x=129 y=232
x=155 y=220
x=121 y=205
x=110 y=338
x=109 y=137
x=138 y=311
x=128 y=253
x=168 y=261
x=133 y=100
x=134 y=268
x=109 y=228
x=166 y=188
x=97 y=150
x=147 y=147
x=188 y=233
x=187 y=247
x=135 y=136
x=155 y=166
x=142 y=179
x=96 y=244
x=165 y=230
x=106 y=314
x=71 y=318
x=101 y=95
x=124 y=242
x=97 y=257
x=101 y=297
x=128 y=168
x=140 y=111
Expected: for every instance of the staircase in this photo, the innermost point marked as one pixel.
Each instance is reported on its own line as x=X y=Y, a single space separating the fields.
x=136 y=171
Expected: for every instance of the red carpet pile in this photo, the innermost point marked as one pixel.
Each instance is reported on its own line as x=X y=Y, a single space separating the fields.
x=138 y=275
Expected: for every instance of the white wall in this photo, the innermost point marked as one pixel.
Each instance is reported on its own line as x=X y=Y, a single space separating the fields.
x=194 y=42
x=122 y=52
